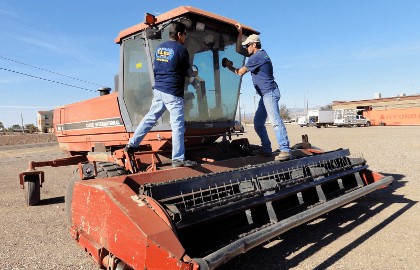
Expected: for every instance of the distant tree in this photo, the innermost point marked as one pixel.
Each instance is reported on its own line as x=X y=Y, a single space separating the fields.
x=327 y=107
x=14 y=127
x=31 y=128
x=45 y=129
x=1 y=125
x=284 y=112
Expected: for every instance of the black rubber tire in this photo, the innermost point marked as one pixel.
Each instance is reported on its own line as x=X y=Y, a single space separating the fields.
x=242 y=130
x=367 y=124
x=105 y=170
x=32 y=190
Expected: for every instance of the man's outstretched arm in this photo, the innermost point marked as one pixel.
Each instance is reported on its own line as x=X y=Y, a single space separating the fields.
x=239 y=48
x=241 y=71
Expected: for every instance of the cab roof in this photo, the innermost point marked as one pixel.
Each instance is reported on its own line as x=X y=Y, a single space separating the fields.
x=176 y=13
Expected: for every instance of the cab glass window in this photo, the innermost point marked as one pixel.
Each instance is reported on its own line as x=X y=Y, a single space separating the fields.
x=213 y=94
x=138 y=92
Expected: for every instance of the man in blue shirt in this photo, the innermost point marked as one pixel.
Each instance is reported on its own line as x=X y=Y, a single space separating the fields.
x=171 y=65
x=261 y=67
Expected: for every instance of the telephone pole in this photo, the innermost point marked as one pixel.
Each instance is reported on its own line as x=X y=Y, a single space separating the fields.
x=244 y=113
x=240 y=105
x=21 y=115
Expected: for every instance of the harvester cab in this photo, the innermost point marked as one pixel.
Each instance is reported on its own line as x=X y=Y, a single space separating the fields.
x=130 y=211
x=210 y=98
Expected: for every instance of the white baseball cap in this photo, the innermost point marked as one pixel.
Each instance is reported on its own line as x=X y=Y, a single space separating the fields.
x=251 y=39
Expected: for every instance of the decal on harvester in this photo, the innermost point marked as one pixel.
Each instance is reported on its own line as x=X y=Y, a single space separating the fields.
x=164 y=54
x=101 y=123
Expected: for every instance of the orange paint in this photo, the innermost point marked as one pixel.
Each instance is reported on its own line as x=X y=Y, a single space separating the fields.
x=178 y=12
x=396 y=117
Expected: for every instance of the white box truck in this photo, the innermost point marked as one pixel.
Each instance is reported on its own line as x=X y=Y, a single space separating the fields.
x=303 y=121
x=317 y=118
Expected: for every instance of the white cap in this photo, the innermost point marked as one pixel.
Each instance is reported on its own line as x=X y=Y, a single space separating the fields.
x=251 y=39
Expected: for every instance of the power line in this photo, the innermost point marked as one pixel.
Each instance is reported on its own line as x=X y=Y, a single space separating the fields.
x=47 y=80
x=48 y=71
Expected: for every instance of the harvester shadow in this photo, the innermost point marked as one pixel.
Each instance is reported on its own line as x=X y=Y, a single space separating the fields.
x=302 y=242
x=49 y=201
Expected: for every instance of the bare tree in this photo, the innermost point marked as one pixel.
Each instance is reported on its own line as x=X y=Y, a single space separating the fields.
x=284 y=112
x=327 y=107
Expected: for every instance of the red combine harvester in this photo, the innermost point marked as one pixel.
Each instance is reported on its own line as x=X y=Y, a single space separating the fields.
x=133 y=211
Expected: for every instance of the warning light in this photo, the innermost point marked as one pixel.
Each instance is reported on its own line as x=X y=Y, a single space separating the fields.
x=149 y=19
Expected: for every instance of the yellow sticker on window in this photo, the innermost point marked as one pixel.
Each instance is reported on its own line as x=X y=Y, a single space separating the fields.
x=139 y=65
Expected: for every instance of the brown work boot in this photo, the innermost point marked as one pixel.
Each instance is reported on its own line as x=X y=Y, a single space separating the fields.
x=283 y=156
x=129 y=149
x=183 y=163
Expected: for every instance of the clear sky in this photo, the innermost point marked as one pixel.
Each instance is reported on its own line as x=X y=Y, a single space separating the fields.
x=322 y=50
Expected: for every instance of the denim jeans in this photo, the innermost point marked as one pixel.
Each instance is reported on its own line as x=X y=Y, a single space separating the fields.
x=269 y=106
x=175 y=105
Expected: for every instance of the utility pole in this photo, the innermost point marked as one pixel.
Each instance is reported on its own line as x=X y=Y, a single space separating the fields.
x=304 y=99
x=295 y=109
x=244 y=113
x=307 y=106
x=21 y=115
x=240 y=105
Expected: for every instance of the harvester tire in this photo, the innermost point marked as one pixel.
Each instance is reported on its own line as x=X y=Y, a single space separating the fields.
x=33 y=191
x=104 y=169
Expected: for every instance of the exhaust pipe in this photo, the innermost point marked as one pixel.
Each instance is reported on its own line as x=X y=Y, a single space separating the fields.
x=104 y=91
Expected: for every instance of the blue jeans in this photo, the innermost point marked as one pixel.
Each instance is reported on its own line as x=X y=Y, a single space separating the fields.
x=175 y=105
x=269 y=106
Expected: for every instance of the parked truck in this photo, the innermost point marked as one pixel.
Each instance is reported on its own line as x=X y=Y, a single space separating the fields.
x=349 y=117
x=317 y=118
x=303 y=121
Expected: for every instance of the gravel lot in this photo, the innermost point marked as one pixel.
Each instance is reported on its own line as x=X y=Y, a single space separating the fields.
x=7 y=139
x=378 y=231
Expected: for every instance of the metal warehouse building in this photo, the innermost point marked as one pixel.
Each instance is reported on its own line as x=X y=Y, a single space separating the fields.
x=401 y=110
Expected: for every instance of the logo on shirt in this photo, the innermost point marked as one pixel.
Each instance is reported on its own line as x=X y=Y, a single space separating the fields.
x=164 y=54
x=267 y=58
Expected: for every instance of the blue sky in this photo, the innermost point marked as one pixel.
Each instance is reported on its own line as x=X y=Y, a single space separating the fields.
x=323 y=50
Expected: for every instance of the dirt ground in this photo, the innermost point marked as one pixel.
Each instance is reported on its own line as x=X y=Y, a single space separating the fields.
x=378 y=231
x=7 y=139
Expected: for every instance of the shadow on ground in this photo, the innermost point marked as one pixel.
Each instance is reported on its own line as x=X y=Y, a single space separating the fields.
x=309 y=238
x=54 y=200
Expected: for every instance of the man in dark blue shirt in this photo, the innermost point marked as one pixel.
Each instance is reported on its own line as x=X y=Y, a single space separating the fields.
x=172 y=64
x=261 y=67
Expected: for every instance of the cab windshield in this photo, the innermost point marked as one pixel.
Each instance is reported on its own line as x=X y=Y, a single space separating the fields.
x=213 y=94
x=210 y=97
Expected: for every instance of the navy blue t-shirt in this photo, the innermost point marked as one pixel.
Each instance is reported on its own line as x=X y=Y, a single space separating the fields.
x=262 y=72
x=171 y=63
